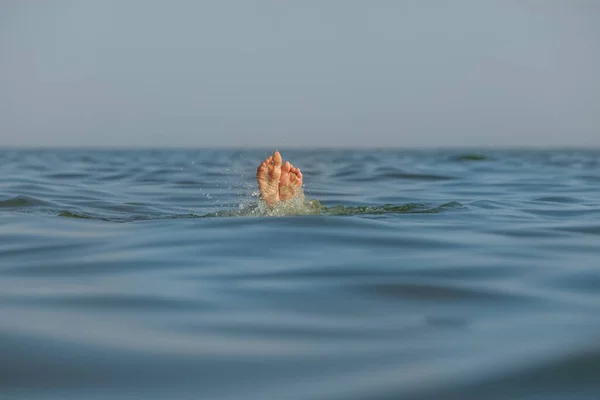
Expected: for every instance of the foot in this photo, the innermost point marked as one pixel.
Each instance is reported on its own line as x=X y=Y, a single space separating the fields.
x=268 y=175
x=290 y=182
x=278 y=181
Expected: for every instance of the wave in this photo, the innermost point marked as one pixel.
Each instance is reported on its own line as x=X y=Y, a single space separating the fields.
x=21 y=202
x=289 y=208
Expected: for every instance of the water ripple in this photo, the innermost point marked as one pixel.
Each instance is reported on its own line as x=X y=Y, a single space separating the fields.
x=418 y=274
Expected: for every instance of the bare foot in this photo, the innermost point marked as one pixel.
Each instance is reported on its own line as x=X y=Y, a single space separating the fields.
x=268 y=175
x=278 y=182
x=290 y=182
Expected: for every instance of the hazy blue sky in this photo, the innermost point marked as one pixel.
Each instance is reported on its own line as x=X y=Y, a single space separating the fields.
x=300 y=73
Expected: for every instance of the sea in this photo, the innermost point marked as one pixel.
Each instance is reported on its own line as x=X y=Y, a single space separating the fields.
x=421 y=274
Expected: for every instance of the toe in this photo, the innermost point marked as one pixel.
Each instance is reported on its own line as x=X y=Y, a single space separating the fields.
x=277 y=159
x=298 y=174
x=261 y=170
x=275 y=168
x=286 y=168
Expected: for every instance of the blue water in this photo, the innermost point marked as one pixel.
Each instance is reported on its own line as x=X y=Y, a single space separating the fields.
x=426 y=275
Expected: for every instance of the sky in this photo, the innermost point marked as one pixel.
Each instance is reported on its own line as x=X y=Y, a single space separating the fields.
x=311 y=73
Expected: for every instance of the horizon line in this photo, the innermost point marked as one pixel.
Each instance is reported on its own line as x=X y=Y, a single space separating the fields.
x=307 y=148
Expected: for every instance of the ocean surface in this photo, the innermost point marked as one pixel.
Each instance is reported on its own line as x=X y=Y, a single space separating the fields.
x=426 y=275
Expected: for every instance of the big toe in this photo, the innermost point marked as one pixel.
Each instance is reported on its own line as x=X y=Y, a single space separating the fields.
x=286 y=167
x=275 y=169
x=284 y=180
x=277 y=159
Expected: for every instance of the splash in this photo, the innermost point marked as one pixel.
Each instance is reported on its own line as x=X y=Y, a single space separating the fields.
x=257 y=208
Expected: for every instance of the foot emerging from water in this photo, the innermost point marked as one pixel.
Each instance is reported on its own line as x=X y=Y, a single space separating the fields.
x=278 y=181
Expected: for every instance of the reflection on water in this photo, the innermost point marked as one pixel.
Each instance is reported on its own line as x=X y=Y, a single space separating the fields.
x=408 y=274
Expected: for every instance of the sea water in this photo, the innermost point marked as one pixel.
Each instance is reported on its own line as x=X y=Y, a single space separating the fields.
x=410 y=275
